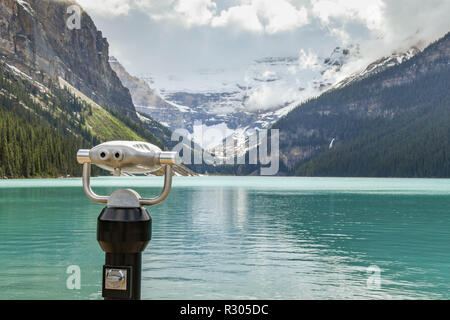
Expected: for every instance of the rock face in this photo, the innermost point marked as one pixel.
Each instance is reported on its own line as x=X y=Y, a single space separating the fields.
x=148 y=102
x=35 y=38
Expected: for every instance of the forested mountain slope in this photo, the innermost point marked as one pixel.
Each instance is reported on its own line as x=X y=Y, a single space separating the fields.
x=58 y=92
x=393 y=123
x=42 y=127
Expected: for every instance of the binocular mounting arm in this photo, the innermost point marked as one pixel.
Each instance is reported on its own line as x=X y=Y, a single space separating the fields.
x=142 y=201
x=132 y=157
x=87 y=185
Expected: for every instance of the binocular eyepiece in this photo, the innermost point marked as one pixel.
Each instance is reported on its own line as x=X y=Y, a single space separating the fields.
x=132 y=157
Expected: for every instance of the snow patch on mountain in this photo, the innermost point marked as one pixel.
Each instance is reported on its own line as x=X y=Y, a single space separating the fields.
x=237 y=100
x=379 y=65
x=26 y=6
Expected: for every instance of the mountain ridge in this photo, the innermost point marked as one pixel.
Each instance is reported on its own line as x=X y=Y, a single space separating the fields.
x=36 y=39
x=359 y=114
x=180 y=109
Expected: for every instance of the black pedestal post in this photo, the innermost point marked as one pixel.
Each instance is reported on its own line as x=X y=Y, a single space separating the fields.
x=123 y=233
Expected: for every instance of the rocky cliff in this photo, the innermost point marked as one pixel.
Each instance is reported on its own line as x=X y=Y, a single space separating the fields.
x=148 y=102
x=35 y=37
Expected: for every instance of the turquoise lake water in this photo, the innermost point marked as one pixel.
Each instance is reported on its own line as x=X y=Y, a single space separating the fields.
x=238 y=238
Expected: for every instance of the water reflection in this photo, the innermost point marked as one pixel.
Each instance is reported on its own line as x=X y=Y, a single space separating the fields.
x=236 y=242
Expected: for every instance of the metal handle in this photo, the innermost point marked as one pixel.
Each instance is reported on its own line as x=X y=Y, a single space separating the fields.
x=87 y=185
x=142 y=201
x=165 y=192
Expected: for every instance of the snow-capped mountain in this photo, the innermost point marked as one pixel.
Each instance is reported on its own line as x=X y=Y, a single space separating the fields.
x=381 y=64
x=241 y=144
x=232 y=101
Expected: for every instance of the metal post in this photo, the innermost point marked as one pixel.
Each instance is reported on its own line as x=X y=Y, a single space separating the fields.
x=123 y=234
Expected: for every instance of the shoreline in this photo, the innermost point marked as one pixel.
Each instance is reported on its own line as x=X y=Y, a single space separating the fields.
x=219 y=175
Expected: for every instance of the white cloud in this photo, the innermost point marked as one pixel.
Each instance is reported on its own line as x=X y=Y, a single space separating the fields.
x=268 y=97
x=188 y=12
x=392 y=25
x=393 y=20
x=307 y=60
x=279 y=16
x=263 y=15
x=243 y=17
x=369 y=12
x=107 y=8
x=195 y=12
x=415 y=22
x=266 y=28
x=249 y=15
x=268 y=75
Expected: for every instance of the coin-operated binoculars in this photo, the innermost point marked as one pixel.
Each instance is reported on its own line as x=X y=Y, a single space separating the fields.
x=124 y=225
